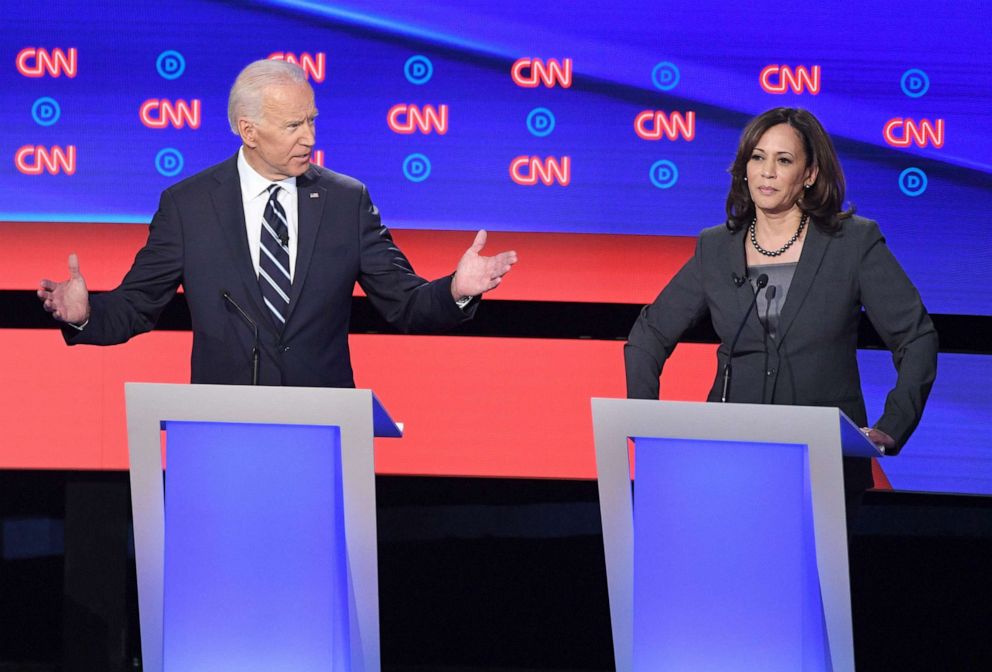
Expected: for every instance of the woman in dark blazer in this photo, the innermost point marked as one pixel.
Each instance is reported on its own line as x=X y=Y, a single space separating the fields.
x=797 y=344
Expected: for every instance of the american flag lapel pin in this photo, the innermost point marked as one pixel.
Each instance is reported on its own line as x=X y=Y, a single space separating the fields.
x=314 y=194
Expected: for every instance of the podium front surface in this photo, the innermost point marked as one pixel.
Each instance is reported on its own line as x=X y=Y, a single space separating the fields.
x=263 y=554
x=731 y=551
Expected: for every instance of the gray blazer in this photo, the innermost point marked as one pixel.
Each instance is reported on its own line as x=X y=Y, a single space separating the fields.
x=813 y=362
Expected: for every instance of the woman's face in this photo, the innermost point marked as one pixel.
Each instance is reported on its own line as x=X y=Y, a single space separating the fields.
x=776 y=170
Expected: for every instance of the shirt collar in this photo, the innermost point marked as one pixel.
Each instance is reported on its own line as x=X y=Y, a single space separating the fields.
x=254 y=185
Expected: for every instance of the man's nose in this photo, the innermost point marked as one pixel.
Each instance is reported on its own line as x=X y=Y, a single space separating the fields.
x=309 y=136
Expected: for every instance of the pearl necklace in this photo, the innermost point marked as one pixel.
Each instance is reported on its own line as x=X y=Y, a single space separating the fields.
x=788 y=244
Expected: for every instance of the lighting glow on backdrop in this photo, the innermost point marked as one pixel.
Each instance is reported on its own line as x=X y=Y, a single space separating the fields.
x=529 y=119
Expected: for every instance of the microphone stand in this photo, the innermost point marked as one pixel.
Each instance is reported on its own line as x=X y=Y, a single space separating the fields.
x=759 y=285
x=251 y=323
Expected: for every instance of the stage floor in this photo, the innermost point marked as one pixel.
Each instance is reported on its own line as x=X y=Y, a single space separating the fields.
x=503 y=575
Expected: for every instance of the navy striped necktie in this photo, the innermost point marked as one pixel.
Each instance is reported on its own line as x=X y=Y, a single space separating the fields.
x=273 y=259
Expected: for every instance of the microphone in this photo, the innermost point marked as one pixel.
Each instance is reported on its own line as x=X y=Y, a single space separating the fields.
x=284 y=236
x=769 y=297
x=759 y=285
x=251 y=323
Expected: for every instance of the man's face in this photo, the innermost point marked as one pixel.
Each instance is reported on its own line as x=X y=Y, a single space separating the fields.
x=279 y=145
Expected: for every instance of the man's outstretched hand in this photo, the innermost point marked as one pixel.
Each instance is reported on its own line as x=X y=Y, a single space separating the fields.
x=67 y=301
x=477 y=274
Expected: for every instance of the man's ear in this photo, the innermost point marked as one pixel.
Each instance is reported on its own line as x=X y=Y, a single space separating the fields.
x=246 y=129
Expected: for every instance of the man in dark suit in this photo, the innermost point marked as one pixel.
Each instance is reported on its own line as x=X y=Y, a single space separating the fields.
x=266 y=238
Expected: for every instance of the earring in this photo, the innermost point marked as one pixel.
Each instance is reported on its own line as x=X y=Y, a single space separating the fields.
x=745 y=178
x=807 y=186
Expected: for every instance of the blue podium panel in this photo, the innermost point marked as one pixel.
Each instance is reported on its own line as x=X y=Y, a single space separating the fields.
x=720 y=582
x=256 y=575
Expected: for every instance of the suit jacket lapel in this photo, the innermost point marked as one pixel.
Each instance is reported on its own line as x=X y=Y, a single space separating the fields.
x=230 y=213
x=310 y=199
x=814 y=247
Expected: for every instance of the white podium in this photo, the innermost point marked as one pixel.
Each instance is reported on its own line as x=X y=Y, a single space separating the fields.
x=260 y=553
x=730 y=550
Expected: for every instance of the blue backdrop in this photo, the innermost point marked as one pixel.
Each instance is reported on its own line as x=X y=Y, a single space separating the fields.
x=860 y=66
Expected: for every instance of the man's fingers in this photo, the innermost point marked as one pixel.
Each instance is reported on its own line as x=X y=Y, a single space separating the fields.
x=479 y=242
x=500 y=270
x=505 y=258
x=505 y=263
x=73 y=265
x=508 y=257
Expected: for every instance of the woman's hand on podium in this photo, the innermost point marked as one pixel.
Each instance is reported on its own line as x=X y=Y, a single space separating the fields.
x=884 y=442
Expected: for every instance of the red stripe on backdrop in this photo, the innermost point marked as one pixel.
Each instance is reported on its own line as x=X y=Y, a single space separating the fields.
x=486 y=407
x=552 y=267
x=471 y=406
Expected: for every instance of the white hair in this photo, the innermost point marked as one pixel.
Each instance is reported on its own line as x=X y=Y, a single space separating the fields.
x=246 y=94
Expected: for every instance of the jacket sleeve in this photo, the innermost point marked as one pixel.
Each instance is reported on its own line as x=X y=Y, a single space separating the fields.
x=679 y=306
x=135 y=306
x=895 y=309
x=407 y=301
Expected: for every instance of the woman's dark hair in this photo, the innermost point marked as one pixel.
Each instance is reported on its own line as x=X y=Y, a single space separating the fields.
x=822 y=201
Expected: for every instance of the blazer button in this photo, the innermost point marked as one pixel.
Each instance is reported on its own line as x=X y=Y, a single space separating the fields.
x=283 y=348
x=770 y=372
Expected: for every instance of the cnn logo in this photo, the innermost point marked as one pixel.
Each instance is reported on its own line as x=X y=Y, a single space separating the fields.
x=530 y=170
x=314 y=67
x=532 y=72
x=406 y=119
x=779 y=79
x=35 y=160
x=161 y=112
x=899 y=132
x=655 y=125
x=35 y=62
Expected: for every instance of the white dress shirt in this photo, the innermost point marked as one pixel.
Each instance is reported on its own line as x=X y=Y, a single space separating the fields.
x=254 y=196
